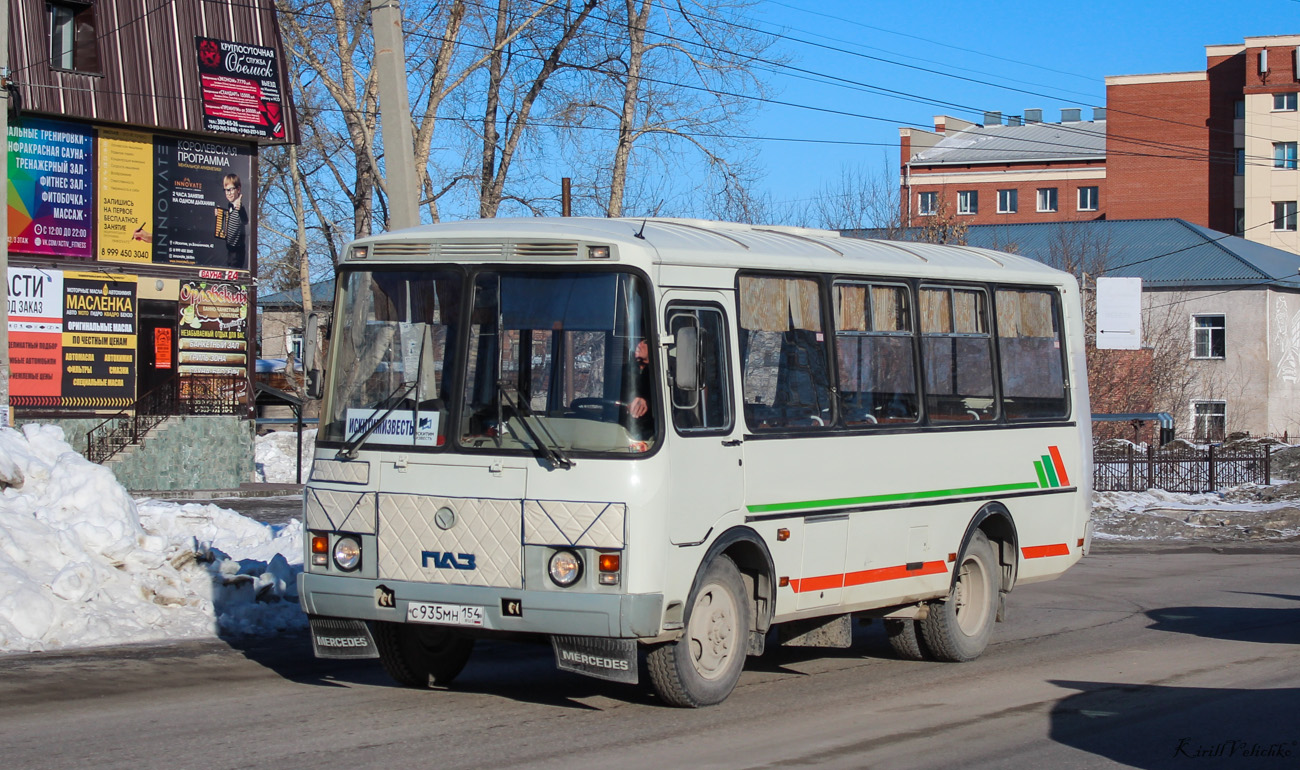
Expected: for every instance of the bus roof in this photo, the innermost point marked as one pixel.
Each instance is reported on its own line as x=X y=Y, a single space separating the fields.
x=650 y=242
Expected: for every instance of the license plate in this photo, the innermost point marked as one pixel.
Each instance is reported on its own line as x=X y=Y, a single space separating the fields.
x=444 y=614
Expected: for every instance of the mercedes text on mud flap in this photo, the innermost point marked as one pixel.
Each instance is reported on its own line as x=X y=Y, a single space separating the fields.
x=661 y=443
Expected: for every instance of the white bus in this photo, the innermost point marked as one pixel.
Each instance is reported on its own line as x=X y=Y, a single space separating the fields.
x=656 y=441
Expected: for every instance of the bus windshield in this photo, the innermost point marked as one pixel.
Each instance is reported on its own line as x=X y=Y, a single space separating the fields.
x=555 y=362
x=395 y=348
x=558 y=361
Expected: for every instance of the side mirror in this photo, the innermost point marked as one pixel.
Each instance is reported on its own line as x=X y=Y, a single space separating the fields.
x=686 y=363
x=310 y=357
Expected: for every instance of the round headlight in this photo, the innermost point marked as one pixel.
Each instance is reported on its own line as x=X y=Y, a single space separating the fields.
x=565 y=568
x=347 y=553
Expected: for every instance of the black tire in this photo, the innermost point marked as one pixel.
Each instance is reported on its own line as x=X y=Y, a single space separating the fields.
x=905 y=640
x=702 y=667
x=412 y=655
x=958 y=628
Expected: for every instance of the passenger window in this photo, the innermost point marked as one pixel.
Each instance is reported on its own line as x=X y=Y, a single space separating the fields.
x=1030 y=354
x=957 y=355
x=785 y=377
x=700 y=386
x=873 y=342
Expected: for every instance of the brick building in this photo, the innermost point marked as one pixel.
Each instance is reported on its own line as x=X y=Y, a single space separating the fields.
x=1216 y=147
x=1019 y=172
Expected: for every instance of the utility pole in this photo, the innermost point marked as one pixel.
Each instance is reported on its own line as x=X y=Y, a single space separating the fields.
x=6 y=414
x=395 y=111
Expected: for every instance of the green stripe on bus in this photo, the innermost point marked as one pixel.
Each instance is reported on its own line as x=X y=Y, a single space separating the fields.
x=890 y=498
x=1042 y=475
x=1051 y=471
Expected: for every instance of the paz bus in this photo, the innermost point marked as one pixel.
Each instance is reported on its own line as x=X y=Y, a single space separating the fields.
x=664 y=444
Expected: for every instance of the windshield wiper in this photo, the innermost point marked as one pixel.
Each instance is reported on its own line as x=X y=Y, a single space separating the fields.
x=549 y=449
x=349 y=452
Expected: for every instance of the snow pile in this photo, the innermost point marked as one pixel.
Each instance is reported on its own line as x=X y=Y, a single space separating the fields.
x=275 y=456
x=82 y=564
x=1248 y=513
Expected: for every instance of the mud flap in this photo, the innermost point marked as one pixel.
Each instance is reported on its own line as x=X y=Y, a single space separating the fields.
x=612 y=659
x=339 y=638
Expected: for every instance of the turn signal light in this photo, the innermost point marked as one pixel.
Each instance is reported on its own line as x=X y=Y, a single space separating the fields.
x=782 y=535
x=320 y=546
x=609 y=562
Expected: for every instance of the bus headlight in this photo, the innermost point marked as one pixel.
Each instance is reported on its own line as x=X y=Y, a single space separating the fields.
x=565 y=568
x=347 y=553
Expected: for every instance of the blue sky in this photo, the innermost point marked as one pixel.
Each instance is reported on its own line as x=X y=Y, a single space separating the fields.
x=1057 y=52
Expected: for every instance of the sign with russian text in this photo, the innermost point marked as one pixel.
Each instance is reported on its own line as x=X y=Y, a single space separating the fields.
x=50 y=196
x=126 y=222
x=240 y=88
x=213 y=337
x=35 y=304
x=202 y=203
x=99 y=344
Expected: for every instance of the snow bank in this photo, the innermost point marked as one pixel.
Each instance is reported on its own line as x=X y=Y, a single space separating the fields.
x=82 y=564
x=275 y=456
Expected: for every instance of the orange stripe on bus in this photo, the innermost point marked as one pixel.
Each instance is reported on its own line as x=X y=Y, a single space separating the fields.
x=1039 y=551
x=825 y=582
x=1060 y=466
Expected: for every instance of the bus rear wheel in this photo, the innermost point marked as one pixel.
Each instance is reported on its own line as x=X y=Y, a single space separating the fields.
x=412 y=655
x=905 y=639
x=702 y=668
x=959 y=628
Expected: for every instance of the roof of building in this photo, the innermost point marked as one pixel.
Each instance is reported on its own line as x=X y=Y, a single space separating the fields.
x=322 y=292
x=1164 y=253
x=1032 y=142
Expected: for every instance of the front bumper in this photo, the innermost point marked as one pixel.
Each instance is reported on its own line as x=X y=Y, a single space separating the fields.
x=620 y=616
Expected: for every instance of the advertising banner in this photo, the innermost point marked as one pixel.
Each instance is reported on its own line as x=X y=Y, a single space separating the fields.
x=241 y=88
x=99 y=346
x=50 y=190
x=125 y=196
x=213 y=341
x=202 y=210
x=35 y=336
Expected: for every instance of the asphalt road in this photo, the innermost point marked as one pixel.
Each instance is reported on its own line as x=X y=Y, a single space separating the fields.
x=1138 y=657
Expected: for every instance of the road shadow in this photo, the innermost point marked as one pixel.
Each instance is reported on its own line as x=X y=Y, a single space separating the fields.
x=1263 y=625
x=1156 y=727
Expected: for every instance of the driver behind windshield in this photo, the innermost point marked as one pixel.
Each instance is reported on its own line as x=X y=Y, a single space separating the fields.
x=636 y=395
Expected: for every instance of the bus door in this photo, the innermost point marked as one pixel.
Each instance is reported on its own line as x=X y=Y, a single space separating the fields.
x=704 y=448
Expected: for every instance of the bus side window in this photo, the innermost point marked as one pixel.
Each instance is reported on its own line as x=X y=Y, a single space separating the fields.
x=1030 y=348
x=957 y=355
x=786 y=377
x=707 y=406
x=873 y=342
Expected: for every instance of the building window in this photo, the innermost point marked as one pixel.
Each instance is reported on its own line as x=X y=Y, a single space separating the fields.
x=1087 y=198
x=1239 y=109
x=968 y=202
x=294 y=345
x=1047 y=199
x=73 y=42
x=1240 y=215
x=1209 y=336
x=1240 y=168
x=1284 y=155
x=1008 y=201
x=1284 y=215
x=927 y=203
x=1284 y=102
x=1211 y=421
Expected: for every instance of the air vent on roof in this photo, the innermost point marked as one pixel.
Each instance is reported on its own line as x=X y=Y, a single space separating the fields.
x=992 y=118
x=401 y=251
x=1071 y=115
x=1033 y=116
x=546 y=250
x=1098 y=113
x=1013 y=120
x=470 y=250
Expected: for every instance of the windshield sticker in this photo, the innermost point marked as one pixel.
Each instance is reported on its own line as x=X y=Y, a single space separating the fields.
x=400 y=427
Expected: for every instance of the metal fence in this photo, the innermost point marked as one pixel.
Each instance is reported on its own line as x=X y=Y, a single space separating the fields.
x=1178 y=469
x=189 y=395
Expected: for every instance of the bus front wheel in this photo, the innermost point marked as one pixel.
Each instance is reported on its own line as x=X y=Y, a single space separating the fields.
x=412 y=655
x=958 y=628
x=702 y=667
